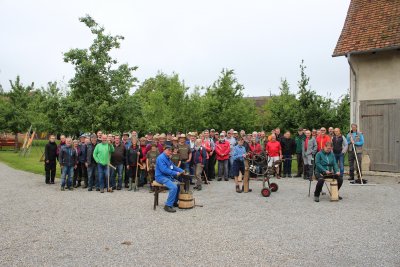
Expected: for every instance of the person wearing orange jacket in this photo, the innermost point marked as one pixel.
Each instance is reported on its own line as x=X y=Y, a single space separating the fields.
x=222 y=149
x=322 y=138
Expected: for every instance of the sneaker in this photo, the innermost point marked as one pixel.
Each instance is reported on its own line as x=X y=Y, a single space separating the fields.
x=316 y=199
x=169 y=209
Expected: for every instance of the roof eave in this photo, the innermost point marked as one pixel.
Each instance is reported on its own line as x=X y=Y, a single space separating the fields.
x=367 y=51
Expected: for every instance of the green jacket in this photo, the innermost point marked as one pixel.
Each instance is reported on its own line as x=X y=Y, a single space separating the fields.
x=102 y=153
x=326 y=162
x=299 y=143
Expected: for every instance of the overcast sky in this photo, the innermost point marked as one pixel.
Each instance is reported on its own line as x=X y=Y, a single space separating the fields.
x=262 y=41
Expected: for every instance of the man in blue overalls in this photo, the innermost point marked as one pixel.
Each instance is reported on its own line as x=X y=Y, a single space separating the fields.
x=165 y=173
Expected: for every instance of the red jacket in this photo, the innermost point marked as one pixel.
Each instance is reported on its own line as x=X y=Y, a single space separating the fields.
x=144 y=152
x=321 y=141
x=207 y=146
x=255 y=148
x=222 y=150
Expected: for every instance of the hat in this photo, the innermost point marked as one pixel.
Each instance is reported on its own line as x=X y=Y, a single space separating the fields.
x=150 y=133
x=168 y=147
x=182 y=136
x=82 y=136
x=162 y=136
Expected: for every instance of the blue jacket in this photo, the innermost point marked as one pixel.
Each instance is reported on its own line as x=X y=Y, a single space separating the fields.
x=358 y=138
x=166 y=168
x=196 y=156
x=238 y=152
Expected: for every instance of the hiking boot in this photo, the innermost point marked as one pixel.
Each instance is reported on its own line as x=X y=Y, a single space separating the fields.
x=126 y=186
x=118 y=188
x=219 y=179
x=226 y=179
x=238 y=189
x=316 y=199
x=176 y=205
x=97 y=189
x=89 y=189
x=169 y=209
x=62 y=188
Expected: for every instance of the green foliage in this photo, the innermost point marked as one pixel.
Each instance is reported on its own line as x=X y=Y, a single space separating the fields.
x=99 y=85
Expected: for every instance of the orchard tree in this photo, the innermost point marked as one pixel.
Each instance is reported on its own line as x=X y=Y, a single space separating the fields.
x=99 y=84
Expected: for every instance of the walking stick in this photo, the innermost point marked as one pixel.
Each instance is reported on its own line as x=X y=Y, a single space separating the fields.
x=309 y=187
x=358 y=164
x=205 y=176
x=136 y=176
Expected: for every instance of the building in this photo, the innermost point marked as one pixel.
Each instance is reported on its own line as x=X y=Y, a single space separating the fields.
x=370 y=40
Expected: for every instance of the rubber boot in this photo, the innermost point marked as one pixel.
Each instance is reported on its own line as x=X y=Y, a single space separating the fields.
x=130 y=184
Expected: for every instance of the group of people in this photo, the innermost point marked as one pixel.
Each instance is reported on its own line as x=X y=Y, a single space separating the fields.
x=111 y=161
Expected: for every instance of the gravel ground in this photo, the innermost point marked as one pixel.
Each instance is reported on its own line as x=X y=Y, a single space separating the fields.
x=42 y=226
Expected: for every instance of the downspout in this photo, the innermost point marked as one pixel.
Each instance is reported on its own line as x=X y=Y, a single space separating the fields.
x=353 y=92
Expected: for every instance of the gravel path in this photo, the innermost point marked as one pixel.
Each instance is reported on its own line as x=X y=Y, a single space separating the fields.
x=42 y=226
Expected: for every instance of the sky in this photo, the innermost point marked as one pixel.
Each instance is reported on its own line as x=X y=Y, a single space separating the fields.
x=263 y=41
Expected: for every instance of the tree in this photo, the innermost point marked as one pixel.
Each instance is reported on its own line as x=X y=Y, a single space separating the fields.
x=281 y=110
x=226 y=106
x=99 y=84
x=162 y=99
x=17 y=114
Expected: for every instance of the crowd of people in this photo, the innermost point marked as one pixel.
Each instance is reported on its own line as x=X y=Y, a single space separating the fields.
x=111 y=161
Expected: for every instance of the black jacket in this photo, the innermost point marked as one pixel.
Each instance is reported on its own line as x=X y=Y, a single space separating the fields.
x=68 y=156
x=288 y=146
x=131 y=155
x=118 y=156
x=50 y=152
x=89 y=155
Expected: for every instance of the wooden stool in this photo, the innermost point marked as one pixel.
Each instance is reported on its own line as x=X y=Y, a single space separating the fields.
x=157 y=189
x=334 y=191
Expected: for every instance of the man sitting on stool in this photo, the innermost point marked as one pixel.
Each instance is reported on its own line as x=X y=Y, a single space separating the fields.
x=326 y=164
x=165 y=173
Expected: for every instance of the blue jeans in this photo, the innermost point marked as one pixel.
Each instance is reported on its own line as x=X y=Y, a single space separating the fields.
x=102 y=170
x=340 y=159
x=118 y=170
x=173 y=190
x=185 y=166
x=230 y=172
x=67 y=170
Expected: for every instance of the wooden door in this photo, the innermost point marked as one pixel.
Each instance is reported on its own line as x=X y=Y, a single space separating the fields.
x=380 y=124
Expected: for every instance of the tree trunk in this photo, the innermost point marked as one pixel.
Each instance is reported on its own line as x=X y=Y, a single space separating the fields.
x=16 y=142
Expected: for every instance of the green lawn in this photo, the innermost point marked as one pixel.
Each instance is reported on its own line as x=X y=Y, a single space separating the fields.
x=28 y=163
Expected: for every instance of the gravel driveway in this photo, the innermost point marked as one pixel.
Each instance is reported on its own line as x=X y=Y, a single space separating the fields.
x=42 y=226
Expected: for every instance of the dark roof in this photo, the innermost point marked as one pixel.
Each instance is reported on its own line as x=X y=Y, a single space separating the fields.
x=259 y=100
x=370 y=25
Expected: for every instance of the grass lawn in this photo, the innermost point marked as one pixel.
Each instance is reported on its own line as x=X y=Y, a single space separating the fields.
x=28 y=163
